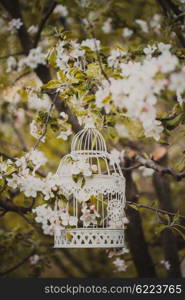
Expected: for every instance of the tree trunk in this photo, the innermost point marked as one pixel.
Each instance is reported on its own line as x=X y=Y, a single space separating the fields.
x=135 y=235
x=169 y=240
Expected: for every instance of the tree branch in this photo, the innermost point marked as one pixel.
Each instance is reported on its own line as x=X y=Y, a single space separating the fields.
x=43 y=22
x=162 y=211
x=42 y=71
x=13 y=54
x=137 y=243
x=18 y=265
x=169 y=240
x=8 y=206
x=62 y=267
x=13 y=8
x=19 y=135
x=75 y=261
x=172 y=11
x=149 y=163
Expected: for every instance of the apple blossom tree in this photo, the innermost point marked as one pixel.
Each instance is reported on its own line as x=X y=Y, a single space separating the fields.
x=121 y=65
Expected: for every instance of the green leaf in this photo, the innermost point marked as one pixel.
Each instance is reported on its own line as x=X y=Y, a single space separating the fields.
x=52 y=84
x=179 y=231
x=160 y=228
x=172 y=122
x=112 y=132
x=134 y=206
x=52 y=58
x=75 y=177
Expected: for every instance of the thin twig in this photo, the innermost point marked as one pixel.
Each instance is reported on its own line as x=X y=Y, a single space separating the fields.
x=136 y=166
x=162 y=211
x=98 y=54
x=149 y=163
x=13 y=54
x=46 y=123
x=18 y=265
x=43 y=22
x=19 y=135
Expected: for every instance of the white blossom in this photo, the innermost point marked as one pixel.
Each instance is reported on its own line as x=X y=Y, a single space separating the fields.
x=73 y=221
x=80 y=166
x=180 y=100
x=82 y=196
x=176 y=82
x=167 y=62
x=50 y=185
x=76 y=50
x=88 y=217
x=65 y=134
x=122 y=130
x=15 y=24
x=11 y=64
x=137 y=91
x=27 y=183
x=166 y=264
x=51 y=219
x=4 y=166
x=93 y=44
x=36 y=157
x=116 y=252
x=163 y=47
x=34 y=131
x=115 y=156
x=38 y=103
x=126 y=220
x=94 y=168
x=114 y=57
x=13 y=181
x=155 y=23
x=30 y=185
x=62 y=56
x=127 y=32
x=149 y=50
x=33 y=29
x=63 y=115
x=61 y=10
x=21 y=162
x=34 y=259
x=47 y=217
x=146 y=171
x=34 y=58
x=102 y=94
x=107 y=26
x=143 y=25
x=120 y=265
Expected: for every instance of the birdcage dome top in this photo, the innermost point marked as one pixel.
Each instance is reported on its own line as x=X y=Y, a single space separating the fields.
x=88 y=140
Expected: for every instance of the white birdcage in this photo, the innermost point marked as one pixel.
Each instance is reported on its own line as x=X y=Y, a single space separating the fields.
x=95 y=195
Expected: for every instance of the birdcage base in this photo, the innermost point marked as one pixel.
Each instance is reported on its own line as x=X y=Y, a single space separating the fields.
x=89 y=238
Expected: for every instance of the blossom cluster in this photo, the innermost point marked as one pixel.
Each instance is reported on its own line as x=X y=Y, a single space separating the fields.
x=138 y=89
x=27 y=182
x=68 y=51
x=39 y=103
x=34 y=58
x=50 y=218
x=120 y=265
